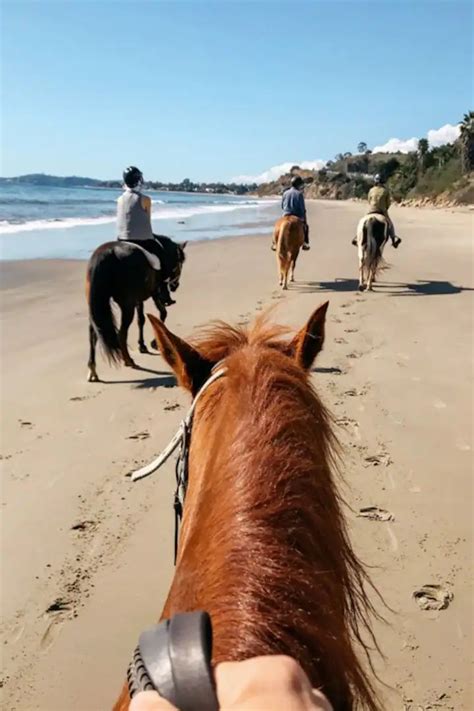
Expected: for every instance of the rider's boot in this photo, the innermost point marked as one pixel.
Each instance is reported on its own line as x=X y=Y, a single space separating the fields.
x=396 y=241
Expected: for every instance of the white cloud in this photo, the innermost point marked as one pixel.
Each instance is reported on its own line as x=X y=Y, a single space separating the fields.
x=277 y=170
x=446 y=134
x=436 y=137
x=396 y=144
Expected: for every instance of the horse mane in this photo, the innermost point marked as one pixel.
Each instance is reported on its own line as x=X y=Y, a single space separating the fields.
x=277 y=571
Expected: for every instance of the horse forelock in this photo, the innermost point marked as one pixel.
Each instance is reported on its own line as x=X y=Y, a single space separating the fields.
x=276 y=569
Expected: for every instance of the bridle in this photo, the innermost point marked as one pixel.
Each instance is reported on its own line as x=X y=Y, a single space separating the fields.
x=181 y=439
x=173 y=279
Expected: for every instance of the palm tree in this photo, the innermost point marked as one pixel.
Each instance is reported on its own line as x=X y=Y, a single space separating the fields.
x=423 y=148
x=466 y=138
x=362 y=147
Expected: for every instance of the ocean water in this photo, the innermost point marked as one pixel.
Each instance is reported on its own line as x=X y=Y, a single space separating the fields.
x=69 y=223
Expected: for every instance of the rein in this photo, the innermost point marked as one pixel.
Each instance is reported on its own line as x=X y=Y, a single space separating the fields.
x=181 y=439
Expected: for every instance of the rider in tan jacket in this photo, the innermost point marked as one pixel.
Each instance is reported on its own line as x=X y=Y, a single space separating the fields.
x=379 y=202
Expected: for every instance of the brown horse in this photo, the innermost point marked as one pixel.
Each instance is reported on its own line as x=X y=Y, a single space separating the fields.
x=288 y=236
x=264 y=546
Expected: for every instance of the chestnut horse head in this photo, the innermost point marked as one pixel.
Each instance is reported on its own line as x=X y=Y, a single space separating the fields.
x=264 y=547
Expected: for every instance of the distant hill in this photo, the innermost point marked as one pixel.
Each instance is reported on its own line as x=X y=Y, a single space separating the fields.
x=439 y=175
x=72 y=181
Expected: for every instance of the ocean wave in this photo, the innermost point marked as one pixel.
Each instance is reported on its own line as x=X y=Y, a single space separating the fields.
x=165 y=213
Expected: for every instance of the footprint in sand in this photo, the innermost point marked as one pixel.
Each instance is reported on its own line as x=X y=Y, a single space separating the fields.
x=83 y=526
x=351 y=330
x=81 y=398
x=433 y=597
x=26 y=423
x=340 y=340
x=172 y=406
x=139 y=435
x=374 y=513
x=350 y=424
x=58 y=606
x=376 y=460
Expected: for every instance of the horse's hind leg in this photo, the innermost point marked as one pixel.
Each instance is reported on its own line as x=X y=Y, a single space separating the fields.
x=361 y=269
x=92 y=376
x=128 y=311
x=141 y=322
x=292 y=269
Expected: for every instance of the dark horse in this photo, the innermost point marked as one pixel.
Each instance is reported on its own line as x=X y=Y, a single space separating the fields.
x=122 y=272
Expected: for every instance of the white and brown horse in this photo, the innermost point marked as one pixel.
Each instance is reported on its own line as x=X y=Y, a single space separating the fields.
x=288 y=236
x=372 y=236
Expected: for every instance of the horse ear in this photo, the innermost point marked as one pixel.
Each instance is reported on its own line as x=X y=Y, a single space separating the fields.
x=190 y=367
x=183 y=244
x=308 y=342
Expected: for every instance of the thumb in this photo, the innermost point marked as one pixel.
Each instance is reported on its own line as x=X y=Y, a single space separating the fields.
x=150 y=701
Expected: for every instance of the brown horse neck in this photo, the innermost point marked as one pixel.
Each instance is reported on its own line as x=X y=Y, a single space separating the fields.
x=264 y=547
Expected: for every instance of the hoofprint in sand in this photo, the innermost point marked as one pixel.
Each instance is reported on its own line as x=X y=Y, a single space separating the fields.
x=87 y=556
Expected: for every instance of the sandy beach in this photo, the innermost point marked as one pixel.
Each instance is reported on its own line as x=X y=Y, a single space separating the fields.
x=87 y=557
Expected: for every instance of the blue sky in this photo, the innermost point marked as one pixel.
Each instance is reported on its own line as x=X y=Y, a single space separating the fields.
x=211 y=90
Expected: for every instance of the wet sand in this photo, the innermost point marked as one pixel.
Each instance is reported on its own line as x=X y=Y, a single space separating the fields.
x=87 y=557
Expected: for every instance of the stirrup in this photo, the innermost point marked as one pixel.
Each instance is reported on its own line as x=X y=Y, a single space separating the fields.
x=306 y=247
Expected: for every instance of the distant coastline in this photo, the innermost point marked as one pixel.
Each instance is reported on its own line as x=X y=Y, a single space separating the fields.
x=75 y=181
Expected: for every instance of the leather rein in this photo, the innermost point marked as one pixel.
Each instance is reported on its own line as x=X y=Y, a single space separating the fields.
x=181 y=439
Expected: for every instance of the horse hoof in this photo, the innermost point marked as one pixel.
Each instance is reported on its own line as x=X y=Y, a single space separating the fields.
x=154 y=344
x=361 y=287
x=143 y=349
x=130 y=364
x=92 y=377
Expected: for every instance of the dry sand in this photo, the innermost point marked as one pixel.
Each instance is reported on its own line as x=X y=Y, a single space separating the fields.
x=87 y=557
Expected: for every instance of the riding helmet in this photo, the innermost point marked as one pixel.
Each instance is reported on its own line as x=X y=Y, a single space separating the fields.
x=297 y=181
x=378 y=179
x=132 y=176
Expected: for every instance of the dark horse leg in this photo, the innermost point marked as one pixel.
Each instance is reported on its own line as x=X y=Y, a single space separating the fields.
x=141 y=322
x=163 y=315
x=92 y=376
x=128 y=311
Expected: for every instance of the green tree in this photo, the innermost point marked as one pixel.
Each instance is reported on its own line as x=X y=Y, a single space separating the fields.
x=362 y=147
x=423 y=148
x=466 y=139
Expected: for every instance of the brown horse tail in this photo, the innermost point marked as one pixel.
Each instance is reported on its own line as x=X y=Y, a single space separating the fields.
x=282 y=250
x=100 y=280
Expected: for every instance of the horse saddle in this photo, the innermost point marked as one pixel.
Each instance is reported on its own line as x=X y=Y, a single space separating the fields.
x=174 y=658
x=153 y=260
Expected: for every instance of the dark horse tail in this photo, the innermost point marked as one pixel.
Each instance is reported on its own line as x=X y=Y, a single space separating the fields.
x=375 y=235
x=100 y=281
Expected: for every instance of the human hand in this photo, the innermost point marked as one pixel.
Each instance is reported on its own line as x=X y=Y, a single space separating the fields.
x=273 y=683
